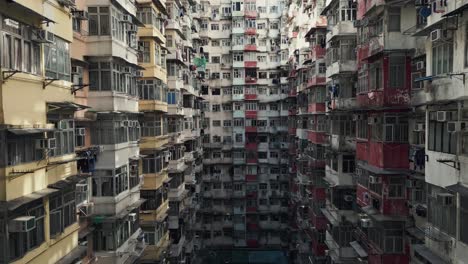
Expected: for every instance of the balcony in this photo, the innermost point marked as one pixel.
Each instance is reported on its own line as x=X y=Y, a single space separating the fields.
x=316 y=108
x=318 y=52
x=386 y=155
x=316 y=80
x=152 y=106
x=317 y=137
x=251 y=129
x=250 y=31
x=250 y=80
x=343 y=103
x=341 y=28
x=250 y=14
x=250 y=47
x=250 y=64
x=252 y=114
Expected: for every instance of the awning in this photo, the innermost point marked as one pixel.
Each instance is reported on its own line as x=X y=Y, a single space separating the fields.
x=377 y=216
x=138 y=157
x=359 y=250
x=28 y=131
x=444 y=23
x=75 y=255
x=416 y=232
x=329 y=217
x=458 y=188
x=380 y=171
x=12 y=7
x=25 y=199
x=313 y=29
x=68 y=182
x=430 y=256
x=456 y=11
x=327 y=8
x=64 y=106
x=128 y=210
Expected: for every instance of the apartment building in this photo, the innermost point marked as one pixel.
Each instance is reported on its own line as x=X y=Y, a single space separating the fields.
x=245 y=182
x=392 y=132
x=38 y=164
x=152 y=91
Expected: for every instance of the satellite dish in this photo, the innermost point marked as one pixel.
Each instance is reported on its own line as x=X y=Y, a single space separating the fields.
x=425 y=11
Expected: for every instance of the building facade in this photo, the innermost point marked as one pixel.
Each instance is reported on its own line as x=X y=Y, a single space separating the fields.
x=245 y=179
x=390 y=187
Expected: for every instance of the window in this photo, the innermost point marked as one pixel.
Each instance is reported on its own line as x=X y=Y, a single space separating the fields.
x=215 y=59
x=216 y=108
x=18 y=52
x=226 y=42
x=348 y=164
x=216 y=123
x=273 y=9
x=145 y=54
x=64 y=137
x=238 y=122
x=99 y=21
x=442 y=57
x=442 y=209
x=21 y=243
x=57 y=59
x=274 y=25
x=396 y=187
x=227 y=123
x=227 y=107
x=215 y=43
x=439 y=138
x=397 y=71
x=226 y=75
x=237 y=6
x=214 y=26
x=153 y=163
x=62 y=211
x=394 y=19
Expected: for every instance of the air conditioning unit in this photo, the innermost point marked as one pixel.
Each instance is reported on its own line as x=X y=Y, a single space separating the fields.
x=42 y=36
x=420 y=65
x=446 y=199
x=366 y=223
x=81 y=187
x=66 y=3
x=348 y=198
x=440 y=34
x=131 y=28
x=126 y=19
x=80 y=131
x=81 y=14
x=62 y=124
x=127 y=70
x=456 y=126
x=76 y=70
x=442 y=116
x=168 y=157
x=132 y=217
x=420 y=127
x=375 y=180
x=47 y=143
x=22 y=224
x=357 y=117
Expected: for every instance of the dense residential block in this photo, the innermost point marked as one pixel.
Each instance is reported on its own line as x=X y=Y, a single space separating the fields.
x=233 y=131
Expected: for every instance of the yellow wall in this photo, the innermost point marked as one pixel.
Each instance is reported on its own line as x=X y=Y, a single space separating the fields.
x=12 y=187
x=53 y=250
x=153 y=181
x=24 y=101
